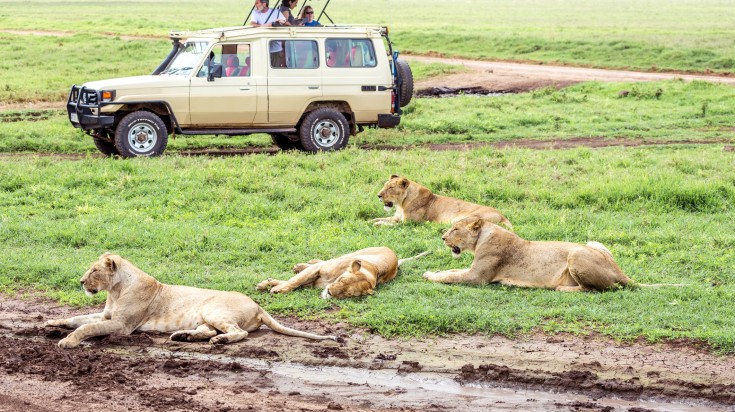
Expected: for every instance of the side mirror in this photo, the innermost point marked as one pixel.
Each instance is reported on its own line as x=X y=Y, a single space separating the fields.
x=215 y=71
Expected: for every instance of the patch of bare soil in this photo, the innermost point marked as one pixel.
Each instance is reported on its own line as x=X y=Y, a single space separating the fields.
x=268 y=371
x=26 y=116
x=509 y=77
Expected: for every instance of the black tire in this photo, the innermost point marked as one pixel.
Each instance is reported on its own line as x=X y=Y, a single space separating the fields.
x=285 y=142
x=405 y=92
x=141 y=133
x=324 y=130
x=107 y=147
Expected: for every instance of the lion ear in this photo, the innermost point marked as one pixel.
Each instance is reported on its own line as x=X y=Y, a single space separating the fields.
x=403 y=182
x=394 y=176
x=356 y=265
x=113 y=262
x=477 y=225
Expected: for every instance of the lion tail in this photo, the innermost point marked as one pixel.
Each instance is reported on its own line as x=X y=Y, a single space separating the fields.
x=268 y=320
x=402 y=261
x=659 y=285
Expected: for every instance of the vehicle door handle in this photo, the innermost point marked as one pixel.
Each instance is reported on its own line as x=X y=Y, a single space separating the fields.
x=244 y=88
x=313 y=87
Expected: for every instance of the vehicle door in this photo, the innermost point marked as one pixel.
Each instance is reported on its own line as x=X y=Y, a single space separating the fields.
x=355 y=74
x=230 y=100
x=294 y=79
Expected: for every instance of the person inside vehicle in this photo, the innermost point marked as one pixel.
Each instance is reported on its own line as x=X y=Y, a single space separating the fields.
x=232 y=66
x=307 y=17
x=245 y=70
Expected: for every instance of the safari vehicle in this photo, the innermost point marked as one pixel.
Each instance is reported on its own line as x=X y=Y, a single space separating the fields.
x=329 y=84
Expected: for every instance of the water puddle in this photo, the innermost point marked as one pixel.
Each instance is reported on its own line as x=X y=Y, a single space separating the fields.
x=391 y=387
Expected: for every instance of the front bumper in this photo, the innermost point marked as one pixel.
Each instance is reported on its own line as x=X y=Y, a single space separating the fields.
x=84 y=110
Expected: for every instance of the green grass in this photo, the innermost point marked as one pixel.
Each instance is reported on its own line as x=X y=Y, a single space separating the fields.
x=680 y=35
x=681 y=111
x=665 y=212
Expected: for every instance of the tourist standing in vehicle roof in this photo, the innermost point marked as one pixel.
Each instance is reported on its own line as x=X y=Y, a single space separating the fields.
x=286 y=9
x=265 y=17
x=307 y=17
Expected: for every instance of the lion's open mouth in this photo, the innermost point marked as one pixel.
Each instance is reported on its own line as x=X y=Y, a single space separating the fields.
x=456 y=250
x=388 y=204
x=90 y=292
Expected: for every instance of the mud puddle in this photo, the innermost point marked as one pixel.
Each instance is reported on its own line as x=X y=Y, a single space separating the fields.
x=269 y=371
x=443 y=91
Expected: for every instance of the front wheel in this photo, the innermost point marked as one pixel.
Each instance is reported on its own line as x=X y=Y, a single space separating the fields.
x=141 y=133
x=324 y=130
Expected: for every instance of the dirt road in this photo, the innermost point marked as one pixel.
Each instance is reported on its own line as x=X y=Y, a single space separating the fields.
x=519 y=77
x=268 y=371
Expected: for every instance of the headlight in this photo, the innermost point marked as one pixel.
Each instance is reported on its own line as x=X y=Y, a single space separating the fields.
x=107 y=95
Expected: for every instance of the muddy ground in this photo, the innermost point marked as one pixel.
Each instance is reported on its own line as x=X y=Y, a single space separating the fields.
x=268 y=371
x=364 y=372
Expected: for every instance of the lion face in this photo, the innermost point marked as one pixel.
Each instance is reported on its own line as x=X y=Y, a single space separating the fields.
x=394 y=191
x=351 y=283
x=101 y=275
x=463 y=235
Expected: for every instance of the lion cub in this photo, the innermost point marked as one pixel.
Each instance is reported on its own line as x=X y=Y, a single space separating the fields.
x=354 y=274
x=417 y=203
x=503 y=257
x=137 y=301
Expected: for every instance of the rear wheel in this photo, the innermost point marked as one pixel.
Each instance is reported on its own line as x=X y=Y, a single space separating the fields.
x=141 y=133
x=288 y=141
x=324 y=130
x=406 y=90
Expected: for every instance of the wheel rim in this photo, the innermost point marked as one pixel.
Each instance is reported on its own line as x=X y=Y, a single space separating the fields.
x=326 y=133
x=142 y=137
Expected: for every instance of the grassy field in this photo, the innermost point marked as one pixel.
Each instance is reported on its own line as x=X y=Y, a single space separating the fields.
x=682 y=35
x=680 y=111
x=666 y=214
x=665 y=211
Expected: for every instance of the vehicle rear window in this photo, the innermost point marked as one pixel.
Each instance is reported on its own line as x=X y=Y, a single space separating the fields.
x=350 y=53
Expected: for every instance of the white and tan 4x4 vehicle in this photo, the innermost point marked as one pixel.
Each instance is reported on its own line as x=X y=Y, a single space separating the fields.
x=322 y=85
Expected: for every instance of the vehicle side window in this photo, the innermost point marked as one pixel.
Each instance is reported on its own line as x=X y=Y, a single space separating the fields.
x=299 y=54
x=350 y=53
x=234 y=58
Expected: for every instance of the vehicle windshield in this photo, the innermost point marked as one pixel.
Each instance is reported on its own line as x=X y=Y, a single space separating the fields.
x=189 y=55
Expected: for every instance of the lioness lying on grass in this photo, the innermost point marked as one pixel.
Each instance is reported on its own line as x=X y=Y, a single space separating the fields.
x=417 y=203
x=503 y=257
x=137 y=301
x=353 y=274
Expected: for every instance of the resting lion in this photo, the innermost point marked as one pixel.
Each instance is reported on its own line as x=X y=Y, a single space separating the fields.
x=137 y=301
x=503 y=257
x=353 y=274
x=417 y=203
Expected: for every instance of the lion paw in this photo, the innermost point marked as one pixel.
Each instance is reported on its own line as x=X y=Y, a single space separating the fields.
x=297 y=268
x=68 y=343
x=218 y=340
x=263 y=286
x=54 y=322
x=181 y=337
x=279 y=289
x=430 y=276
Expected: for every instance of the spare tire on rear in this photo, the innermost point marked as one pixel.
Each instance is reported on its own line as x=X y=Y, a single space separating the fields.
x=405 y=92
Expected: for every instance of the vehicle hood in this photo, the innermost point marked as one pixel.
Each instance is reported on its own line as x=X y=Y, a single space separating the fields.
x=136 y=82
